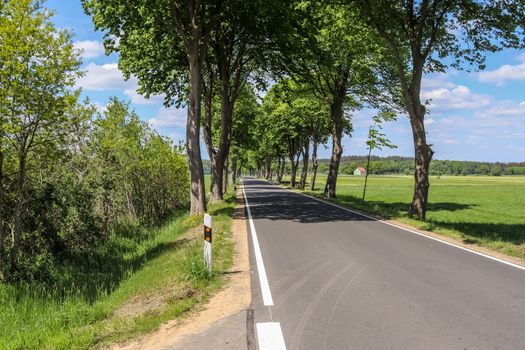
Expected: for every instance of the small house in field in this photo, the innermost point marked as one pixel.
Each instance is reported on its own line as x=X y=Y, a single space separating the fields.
x=360 y=171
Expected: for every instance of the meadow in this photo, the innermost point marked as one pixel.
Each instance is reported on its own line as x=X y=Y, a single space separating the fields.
x=147 y=279
x=484 y=210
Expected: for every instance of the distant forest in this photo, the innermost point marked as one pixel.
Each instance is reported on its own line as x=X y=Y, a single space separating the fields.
x=405 y=165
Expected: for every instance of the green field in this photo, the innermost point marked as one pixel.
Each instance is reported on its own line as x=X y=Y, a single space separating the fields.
x=483 y=210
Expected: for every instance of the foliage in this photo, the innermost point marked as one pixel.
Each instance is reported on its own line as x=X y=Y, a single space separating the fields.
x=339 y=60
x=38 y=67
x=291 y=116
x=404 y=166
x=160 y=264
x=377 y=139
x=111 y=175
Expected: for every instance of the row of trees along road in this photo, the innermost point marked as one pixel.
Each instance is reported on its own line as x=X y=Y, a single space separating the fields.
x=194 y=52
x=348 y=54
x=71 y=177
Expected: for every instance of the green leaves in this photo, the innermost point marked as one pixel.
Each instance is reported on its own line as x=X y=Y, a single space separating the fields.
x=145 y=35
x=68 y=179
x=143 y=175
x=376 y=138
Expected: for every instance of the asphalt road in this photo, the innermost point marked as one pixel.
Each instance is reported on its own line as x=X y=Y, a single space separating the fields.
x=342 y=281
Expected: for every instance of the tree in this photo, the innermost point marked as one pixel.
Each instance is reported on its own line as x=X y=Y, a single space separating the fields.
x=240 y=46
x=38 y=70
x=377 y=139
x=311 y=115
x=496 y=170
x=337 y=60
x=140 y=172
x=436 y=34
x=164 y=44
x=282 y=127
x=243 y=129
x=318 y=128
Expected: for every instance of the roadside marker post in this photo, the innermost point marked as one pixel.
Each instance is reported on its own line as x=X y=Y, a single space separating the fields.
x=207 y=241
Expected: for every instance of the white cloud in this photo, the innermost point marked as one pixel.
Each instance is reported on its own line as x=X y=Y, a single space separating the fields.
x=169 y=118
x=434 y=81
x=473 y=140
x=89 y=48
x=442 y=95
x=461 y=125
x=137 y=98
x=450 y=97
x=100 y=108
x=504 y=73
x=506 y=119
x=106 y=77
x=503 y=122
x=178 y=138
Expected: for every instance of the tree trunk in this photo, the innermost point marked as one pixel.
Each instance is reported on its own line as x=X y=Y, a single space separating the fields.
x=234 y=171
x=281 y=172
x=423 y=156
x=423 y=152
x=224 y=146
x=314 y=165
x=225 y=177
x=294 y=166
x=268 y=168
x=279 y=165
x=17 y=213
x=216 y=178
x=229 y=93
x=304 y=172
x=197 y=191
x=336 y=111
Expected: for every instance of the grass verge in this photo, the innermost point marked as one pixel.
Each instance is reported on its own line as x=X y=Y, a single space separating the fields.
x=168 y=279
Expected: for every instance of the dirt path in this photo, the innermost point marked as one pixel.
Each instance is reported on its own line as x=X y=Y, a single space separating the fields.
x=234 y=298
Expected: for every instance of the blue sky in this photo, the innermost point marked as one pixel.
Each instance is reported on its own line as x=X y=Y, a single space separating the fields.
x=473 y=116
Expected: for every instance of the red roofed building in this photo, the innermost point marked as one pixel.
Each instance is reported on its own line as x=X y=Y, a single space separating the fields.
x=360 y=171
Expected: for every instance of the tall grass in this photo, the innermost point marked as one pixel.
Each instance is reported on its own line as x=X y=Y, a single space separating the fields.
x=82 y=310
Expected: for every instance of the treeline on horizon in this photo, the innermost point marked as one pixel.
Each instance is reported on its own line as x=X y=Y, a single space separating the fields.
x=395 y=165
x=405 y=165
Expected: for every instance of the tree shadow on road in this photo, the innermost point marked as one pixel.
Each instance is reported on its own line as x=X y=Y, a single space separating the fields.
x=392 y=210
x=282 y=206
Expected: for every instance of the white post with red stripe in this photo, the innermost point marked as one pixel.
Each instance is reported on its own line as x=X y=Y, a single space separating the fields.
x=207 y=241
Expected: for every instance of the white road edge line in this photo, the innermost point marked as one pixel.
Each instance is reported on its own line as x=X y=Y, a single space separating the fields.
x=414 y=232
x=270 y=336
x=261 y=271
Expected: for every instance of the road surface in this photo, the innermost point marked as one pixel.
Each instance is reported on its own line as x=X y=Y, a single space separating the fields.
x=326 y=278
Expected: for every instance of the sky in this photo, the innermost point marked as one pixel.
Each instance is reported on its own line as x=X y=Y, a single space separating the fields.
x=478 y=116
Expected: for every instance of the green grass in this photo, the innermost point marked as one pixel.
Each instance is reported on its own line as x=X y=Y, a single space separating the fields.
x=483 y=210
x=163 y=264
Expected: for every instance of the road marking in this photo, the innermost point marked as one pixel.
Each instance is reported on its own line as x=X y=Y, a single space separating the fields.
x=414 y=232
x=270 y=336
x=261 y=271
